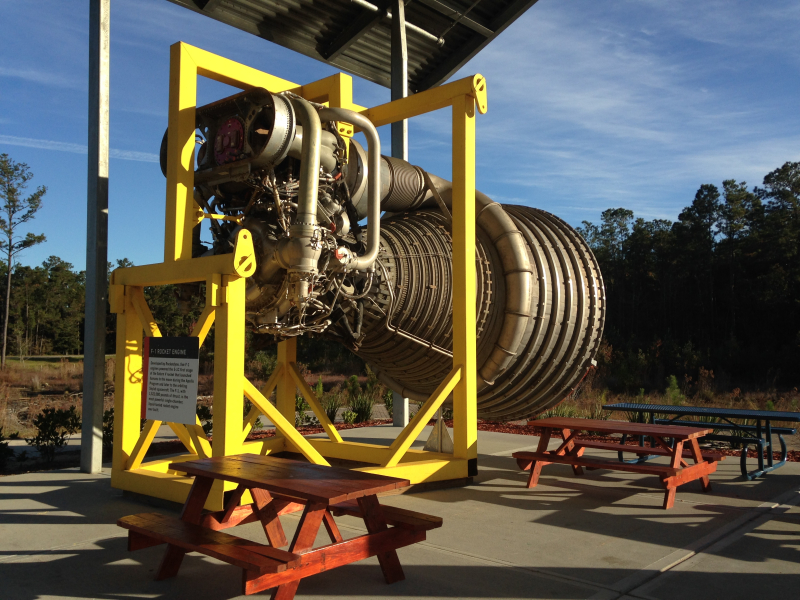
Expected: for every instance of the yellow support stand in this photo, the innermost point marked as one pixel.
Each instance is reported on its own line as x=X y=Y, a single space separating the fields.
x=225 y=275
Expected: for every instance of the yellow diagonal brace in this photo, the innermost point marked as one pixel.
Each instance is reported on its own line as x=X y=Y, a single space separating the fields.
x=249 y=421
x=179 y=429
x=204 y=323
x=202 y=438
x=266 y=390
x=202 y=445
x=142 y=445
x=421 y=419
x=145 y=316
x=282 y=425
x=312 y=400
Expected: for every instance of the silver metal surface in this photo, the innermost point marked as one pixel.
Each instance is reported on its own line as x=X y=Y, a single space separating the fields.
x=96 y=240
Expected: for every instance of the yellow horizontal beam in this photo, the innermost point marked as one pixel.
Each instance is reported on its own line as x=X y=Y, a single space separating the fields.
x=265 y=446
x=174 y=488
x=241 y=262
x=235 y=74
x=161 y=465
x=429 y=100
x=423 y=471
x=369 y=453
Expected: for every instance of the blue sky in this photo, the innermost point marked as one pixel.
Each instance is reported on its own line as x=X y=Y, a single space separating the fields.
x=592 y=105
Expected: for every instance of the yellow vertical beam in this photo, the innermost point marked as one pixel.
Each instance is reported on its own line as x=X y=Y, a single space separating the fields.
x=465 y=417
x=128 y=381
x=180 y=159
x=229 y=367
x=287 y=389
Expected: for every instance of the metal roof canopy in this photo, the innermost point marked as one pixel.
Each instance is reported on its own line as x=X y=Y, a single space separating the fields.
x=356 y=35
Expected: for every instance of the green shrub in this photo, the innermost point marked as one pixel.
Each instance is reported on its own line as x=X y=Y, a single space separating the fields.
x=108 y=430
x=206 y=418
x=352 y=387
x=388 y=402
x=248 y=406
x=673 y=393
x=562 y=410
x=53 y=426
x=349 y=417
x=331 y=403
x=362 y=406
x=263 y=365
x=301 y=416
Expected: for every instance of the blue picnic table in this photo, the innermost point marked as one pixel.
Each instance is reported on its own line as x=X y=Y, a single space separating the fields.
x=734 y=420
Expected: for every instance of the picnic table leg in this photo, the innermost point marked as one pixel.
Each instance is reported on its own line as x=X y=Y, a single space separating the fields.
x=269 y=517
x=536 y=467
x=698 y=458
x=191 y=513
x=375 y=522
x=570 y=449
x=304 y=539
x=669 y=495
x=331 y=527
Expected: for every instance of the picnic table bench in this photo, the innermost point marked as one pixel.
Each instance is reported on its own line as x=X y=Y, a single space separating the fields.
x=724 y=419
x=571 y=451
x=278 y=487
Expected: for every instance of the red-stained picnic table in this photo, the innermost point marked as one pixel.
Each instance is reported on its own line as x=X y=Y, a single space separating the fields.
x=279 y=486
x=571 y=451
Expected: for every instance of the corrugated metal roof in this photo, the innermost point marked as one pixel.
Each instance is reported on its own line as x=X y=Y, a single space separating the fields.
x=355 y=38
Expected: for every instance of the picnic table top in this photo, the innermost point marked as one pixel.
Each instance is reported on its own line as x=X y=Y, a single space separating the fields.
x=292 y=478
x=706 y=411
x=604 y=426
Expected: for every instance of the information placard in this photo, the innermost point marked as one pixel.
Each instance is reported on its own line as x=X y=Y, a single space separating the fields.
x=169 y=391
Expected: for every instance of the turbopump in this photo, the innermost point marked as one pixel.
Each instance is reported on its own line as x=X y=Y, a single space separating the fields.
x=277 y=166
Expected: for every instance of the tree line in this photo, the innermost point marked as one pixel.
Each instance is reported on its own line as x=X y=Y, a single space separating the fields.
x=718 y=289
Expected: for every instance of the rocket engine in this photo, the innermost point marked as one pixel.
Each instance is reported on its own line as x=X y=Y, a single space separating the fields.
x=276 y=165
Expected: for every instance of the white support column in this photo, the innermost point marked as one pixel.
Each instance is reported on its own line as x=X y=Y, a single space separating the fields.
x=399 y=76
x=400 y=413
x=96 y=240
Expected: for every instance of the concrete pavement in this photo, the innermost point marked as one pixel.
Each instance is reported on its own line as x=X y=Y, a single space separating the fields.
x=601 y=536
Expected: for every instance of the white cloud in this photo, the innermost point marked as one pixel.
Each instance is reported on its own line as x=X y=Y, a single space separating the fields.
x=75 y=148
x=42 y=78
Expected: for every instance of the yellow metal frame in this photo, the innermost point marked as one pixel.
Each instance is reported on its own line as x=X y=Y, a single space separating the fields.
x=225 y=276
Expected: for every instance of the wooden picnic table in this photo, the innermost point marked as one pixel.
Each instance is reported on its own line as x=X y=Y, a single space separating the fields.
x=279 y=486
x=571 y=451
x=735 y=420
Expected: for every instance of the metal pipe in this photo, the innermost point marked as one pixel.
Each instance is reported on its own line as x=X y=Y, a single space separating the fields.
x=309 y=166
x=426 y=34
x=94 y=346
x=366 y=261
